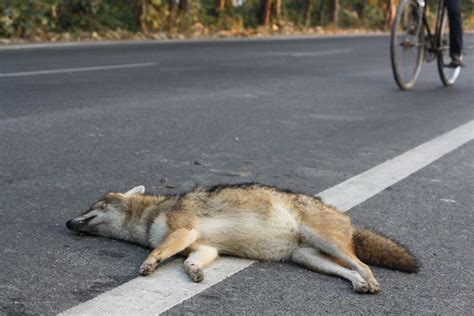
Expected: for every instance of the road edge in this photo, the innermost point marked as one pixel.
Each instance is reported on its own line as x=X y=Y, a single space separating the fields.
x=7 y=47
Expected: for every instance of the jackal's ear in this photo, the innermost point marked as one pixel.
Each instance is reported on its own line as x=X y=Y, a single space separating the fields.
x=136 y=190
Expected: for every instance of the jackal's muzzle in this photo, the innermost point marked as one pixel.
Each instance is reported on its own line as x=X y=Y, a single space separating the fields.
x=79 y=224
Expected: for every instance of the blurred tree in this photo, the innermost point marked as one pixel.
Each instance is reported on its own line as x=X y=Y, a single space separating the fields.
x=335 y=14
x=307 y=12
x=137 y=13
x=321 y=12
x=171 y=14
x=278 y=9
x=265 y=12
x=183 y=6
x=390 y=8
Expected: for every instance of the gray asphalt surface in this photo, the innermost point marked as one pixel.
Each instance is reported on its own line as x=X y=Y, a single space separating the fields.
x=431 y=212
x=304 y=114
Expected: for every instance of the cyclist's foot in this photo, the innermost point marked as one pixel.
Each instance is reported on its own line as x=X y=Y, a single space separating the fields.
x=457 y=61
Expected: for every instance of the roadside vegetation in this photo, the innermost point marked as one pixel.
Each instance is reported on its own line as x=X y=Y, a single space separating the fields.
x=67 y=20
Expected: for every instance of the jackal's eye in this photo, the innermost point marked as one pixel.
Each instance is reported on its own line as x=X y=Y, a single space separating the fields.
x=102 y=205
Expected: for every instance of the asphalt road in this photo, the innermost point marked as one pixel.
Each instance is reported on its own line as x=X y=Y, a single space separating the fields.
x=304 y=114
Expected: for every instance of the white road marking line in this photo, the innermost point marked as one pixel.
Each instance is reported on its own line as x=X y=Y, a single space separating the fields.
x=170 y=286
x=69 y=70
x=158 y=292
x=356 y=190
x=312 y=54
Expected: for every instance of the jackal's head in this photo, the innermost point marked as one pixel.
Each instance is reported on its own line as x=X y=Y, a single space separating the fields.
x=106 y=217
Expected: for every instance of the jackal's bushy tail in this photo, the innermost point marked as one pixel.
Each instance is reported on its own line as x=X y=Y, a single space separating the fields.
x=378 y=250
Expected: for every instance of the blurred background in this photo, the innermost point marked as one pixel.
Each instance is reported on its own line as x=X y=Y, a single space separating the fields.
x=69 y=20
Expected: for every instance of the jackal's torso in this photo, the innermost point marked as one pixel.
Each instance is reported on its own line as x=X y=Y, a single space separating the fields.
x=251 y=221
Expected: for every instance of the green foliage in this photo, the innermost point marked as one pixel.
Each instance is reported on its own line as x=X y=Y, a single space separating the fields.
x=21 y=18
x=38 y=18
x=248 y=13
x=244 y=16
x=293 y=11
x=373 y=17
x=29 y=18
x=349 y=18
x=94 y=15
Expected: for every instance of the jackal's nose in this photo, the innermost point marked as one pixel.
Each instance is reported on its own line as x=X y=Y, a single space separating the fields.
x=70 y=225
x=74 y=225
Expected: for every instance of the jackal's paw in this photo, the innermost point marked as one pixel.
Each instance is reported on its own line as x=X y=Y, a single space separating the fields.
x=360 y=285
x=194 y=272
x=374 y=286
x=148 y=267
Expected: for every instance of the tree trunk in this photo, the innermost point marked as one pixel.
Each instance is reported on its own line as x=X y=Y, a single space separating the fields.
x=320 y=12
x=183 y=6
x=278 y=9
x=335 y=16
x=171 y=6
x=137 y=15
x=393 y=10
x=264 y=12
x=221 y=7
x=307 y=12
x=390 y=10
x=268 y=4
x=171 y=13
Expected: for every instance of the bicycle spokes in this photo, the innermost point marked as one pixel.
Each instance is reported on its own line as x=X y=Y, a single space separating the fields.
x=407 y=44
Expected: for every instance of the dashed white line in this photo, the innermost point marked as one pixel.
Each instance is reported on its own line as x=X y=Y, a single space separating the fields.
x=170 y=286
x=71 y=70
x=312 y=54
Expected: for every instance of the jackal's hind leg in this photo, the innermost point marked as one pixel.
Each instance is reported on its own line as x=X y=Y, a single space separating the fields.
x=313 y=260
x=341 y=248
x=197 y=260
x=348 y=257
x=175 y=242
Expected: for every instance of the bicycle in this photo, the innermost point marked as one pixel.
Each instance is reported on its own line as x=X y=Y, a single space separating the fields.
x=411 y=41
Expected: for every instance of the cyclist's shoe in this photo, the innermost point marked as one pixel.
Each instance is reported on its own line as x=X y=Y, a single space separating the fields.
x=457 y=61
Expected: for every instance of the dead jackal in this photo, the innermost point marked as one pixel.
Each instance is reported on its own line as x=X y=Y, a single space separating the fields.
x=246 y=220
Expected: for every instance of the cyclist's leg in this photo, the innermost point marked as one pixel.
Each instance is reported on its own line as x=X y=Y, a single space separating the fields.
x=455 y=28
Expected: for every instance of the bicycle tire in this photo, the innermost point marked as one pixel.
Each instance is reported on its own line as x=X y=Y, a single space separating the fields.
x=447 y=75
x=407 y=25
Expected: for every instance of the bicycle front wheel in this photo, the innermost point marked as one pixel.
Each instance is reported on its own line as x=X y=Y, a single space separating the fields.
x=406 y=44
x=447 y=74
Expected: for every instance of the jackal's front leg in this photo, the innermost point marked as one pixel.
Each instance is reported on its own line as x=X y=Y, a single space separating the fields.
x=201 y=256
x=175 y=242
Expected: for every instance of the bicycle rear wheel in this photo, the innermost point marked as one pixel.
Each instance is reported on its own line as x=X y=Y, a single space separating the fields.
x=406 y=44
x=447 y=74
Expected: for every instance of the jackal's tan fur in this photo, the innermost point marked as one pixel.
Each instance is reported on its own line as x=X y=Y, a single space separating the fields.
x=246 y=220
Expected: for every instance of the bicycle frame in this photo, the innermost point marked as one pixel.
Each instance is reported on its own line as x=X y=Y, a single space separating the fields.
x=433 y=38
